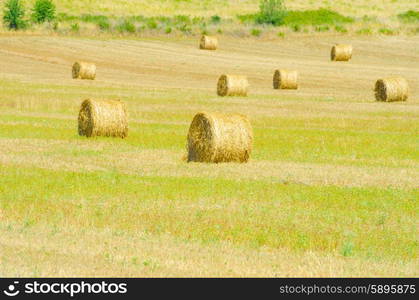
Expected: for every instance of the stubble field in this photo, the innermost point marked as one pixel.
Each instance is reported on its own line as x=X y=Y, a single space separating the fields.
x=331 y=188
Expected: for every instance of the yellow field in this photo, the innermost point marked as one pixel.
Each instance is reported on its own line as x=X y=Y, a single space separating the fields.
x=331 y=189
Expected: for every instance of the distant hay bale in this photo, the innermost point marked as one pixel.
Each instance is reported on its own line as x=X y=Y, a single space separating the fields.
x=391 y=89
x=232 y=85
x=216 y=138
x=84 y=70
x=208 y=42
x=103 y=118
x=341 y=52
x=285 y=79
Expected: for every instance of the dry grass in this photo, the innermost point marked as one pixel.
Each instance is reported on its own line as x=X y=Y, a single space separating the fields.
x=37 y=251
x=215 y=137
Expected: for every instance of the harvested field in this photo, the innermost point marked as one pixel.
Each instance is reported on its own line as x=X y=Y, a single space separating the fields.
x=331 y=187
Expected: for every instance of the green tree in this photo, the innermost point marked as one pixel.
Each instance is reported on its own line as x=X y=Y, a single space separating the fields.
x=43 y=10
x=13 y=15
x=271 y=12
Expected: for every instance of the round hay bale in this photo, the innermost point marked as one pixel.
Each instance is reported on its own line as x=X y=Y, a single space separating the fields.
x=341 y=52
x=208 y=42
x=232 y=85
x=84 y=70
x=103 y=118
x=391 y=89
x=285 y=79
x=216 y=138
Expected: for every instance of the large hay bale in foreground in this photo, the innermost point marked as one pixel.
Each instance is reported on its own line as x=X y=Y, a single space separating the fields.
x=285 y=79
x=232 y=85
x=103 y=118
x=84 y=70
x=216 y=138
x=391 y=89
x=208 y=42
x=341 y=52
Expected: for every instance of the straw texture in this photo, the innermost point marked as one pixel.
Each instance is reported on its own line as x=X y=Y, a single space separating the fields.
x=285 y=79
x=391 y=89
x=102 y=118
x=216 y=138
x=232 y=85
x=84 y=70
x=341 y=52
x=208 y=43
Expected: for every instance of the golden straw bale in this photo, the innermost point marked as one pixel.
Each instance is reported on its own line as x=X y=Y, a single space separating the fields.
x=84 y=70
x=341 y=52
x=208 y=42
x=285 y=79
x=391 y=89
x=103 y=118
x=216 y=138
x=232 y=85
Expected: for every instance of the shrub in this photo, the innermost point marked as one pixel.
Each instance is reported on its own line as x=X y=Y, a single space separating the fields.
x=185 y=29
x=341 y=29
x=104 y=24
x=13 y=15
x=256 y=32
x=364 y=31
x=296 y=28
x=322 y=28
x=168 y=30
x=386 y=31
x=126 y=26
x=271 y=12
x=281 y=34
x=409 y=16
x=215 y=19
x=75 y=27
x=316 y=17
x=152 y=24
x=43 y=10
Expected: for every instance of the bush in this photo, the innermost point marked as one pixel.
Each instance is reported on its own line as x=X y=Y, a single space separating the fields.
x=386 y=31
x=215 y=19
x=13 y=15
x=256 y=32
x=322 y=28
x=75 y=27
x=316 y=17
x=341 y=29
x=366 y=31
x=43 y=10
x=271 y=12
x=104 y=24
x=296 y=28
x=409 y=16
x=126 y=26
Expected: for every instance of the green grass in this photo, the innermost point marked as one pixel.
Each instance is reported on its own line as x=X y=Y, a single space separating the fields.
x=305 y=18
x=251 y=213
x=312 y=140
x=409 y=16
